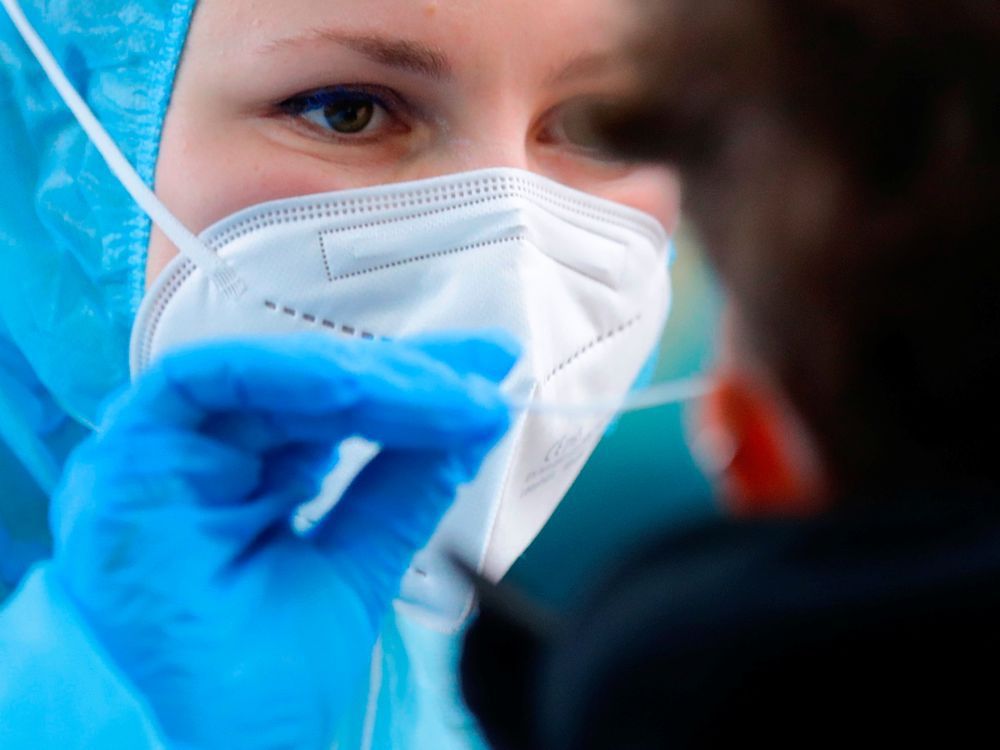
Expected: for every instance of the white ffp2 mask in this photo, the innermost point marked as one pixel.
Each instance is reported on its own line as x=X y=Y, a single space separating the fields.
x=580 y=281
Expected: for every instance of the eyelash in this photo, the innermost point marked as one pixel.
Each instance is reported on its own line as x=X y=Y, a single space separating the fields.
x=399 y=114
x=393 y=106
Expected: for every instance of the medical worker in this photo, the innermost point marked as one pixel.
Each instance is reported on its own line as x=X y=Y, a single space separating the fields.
x=341 y=190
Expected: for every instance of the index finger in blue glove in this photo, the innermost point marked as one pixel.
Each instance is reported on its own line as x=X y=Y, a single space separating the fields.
x=292 y=375
x=311 y=380
x=489 y=353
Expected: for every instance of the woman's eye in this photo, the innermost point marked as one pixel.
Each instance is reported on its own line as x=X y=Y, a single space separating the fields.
x=577 y=126
x=342 y=112
x=348 y=116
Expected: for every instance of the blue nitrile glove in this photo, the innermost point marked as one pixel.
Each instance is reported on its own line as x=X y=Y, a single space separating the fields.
x=172 y=524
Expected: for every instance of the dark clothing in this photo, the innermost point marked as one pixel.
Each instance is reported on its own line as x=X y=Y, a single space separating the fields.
x=877 y=625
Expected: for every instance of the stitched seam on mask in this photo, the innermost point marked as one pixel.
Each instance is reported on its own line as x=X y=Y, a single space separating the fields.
x=316 y=320
x=323 y=210
x=571 y=206
x=354 y=206
x=428 y=256
x=273 y=218
x=163 y=299
x=326 y=259
x=586 y=348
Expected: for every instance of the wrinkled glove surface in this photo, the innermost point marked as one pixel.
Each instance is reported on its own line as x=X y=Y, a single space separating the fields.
x=173 y=534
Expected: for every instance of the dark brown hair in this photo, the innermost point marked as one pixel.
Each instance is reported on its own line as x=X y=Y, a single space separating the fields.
x=840 y=162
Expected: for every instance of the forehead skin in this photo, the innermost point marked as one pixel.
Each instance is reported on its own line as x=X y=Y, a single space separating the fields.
x=490 y=30
x=497 y=50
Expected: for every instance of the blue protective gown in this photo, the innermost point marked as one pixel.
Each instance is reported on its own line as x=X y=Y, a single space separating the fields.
x=72 y=269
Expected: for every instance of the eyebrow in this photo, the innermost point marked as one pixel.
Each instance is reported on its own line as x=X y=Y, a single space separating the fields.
x=402 y=54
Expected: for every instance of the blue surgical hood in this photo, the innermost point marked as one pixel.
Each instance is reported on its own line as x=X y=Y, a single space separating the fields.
x=72 y=266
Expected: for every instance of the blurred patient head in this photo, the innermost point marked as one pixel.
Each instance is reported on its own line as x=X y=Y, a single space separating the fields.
x=839 y=158
x=840 y=162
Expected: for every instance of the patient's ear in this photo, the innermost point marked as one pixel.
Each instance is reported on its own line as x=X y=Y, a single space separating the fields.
x=752 y=444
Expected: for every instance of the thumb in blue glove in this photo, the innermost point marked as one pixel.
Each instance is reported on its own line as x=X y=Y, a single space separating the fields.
x=173 y=533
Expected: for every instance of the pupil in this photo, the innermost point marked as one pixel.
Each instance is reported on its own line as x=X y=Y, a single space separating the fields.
x=351 y=116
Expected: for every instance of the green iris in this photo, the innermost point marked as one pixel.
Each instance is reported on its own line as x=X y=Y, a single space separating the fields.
x=349 y=115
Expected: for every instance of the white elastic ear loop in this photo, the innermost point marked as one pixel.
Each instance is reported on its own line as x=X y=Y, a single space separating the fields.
x=662 y=394
x=222 y=274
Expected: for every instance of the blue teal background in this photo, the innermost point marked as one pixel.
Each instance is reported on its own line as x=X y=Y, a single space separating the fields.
x=642 y=477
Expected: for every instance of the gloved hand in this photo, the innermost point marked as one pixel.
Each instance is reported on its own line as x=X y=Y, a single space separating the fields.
x=172 y=524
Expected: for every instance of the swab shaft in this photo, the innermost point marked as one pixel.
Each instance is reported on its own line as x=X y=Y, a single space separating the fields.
x=673 y=392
